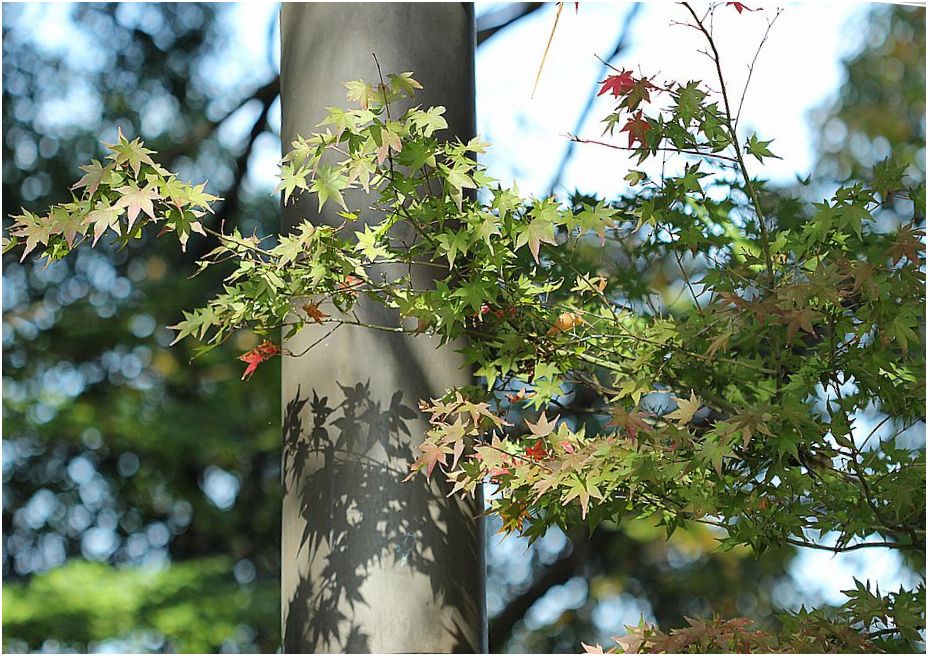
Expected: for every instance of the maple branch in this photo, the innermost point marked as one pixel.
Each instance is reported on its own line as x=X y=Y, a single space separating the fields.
x=760 y=47
x=749 y=185
x=606 y=144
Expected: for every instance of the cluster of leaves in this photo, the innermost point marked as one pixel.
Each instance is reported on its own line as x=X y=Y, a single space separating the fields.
x=803 y=632
x=736 y=400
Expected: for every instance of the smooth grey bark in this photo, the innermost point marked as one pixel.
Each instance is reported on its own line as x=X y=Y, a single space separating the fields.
x=370 y=563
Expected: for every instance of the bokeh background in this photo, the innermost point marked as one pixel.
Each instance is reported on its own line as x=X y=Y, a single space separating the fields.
x=141 y=489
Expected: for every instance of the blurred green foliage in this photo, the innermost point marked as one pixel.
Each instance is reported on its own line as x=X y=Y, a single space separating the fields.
x=881 y=104
x=189 y=607
x=118 y=449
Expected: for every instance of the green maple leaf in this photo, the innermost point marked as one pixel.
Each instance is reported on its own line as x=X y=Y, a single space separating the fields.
x=327 y=184
x=360 y=169
x=185 y=221
x=198 y=197
x=505 y=201
x=137 y=200
x=132 y=153
x=362 y=93
x=453 y=244
x=291 y=178
x=367 y=244
x=95 y=174
x=429 y=121
x=404 y=84
x=69 y=221
x=539 y=231
x=595 y=219
x=759 y=149
x=488 y=228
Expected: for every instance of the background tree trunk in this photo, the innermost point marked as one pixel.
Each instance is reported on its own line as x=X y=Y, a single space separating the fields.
x=371 y=563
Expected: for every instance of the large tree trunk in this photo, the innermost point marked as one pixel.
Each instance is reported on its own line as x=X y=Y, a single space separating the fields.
x=371 y=563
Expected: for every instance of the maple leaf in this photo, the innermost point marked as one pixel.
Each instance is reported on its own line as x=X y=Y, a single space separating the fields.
x=432 y=454
x=69 y=223
x=801 y=318
x=95 y=174
x=35 y=228
x=136 y=200
x=618 y=85
x=719 y=343
x=262 y=352
x=543 y=427
x=637 y=128
x=632 y=422
x=132 y=153
x=196 y=196
x=565 y=322
x=103 y=217
x=685 y=409
x=908 y=244
x=539 y=231
x=314 y=313
x=291 y=178
x=537 y=451
x=740 y=7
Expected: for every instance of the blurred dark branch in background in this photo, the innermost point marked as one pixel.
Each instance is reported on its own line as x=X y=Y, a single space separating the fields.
x=558 y=573
x=492 y=22
x=265 y=94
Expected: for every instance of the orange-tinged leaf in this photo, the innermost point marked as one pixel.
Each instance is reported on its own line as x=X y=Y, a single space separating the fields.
x=632 y=422
x=685 y=410
x=637 y=128
x=95 y=172
x=565 y=322
x=432 y=454
x=313 y=312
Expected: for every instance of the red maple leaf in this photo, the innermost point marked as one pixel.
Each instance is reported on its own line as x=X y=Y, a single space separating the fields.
x=537 y=451
x=263 y=351
x=350 y=284
x=637 y=128
x=619 y=84
x=739 y=6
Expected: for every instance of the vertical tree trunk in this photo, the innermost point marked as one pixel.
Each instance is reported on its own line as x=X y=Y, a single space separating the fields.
x=371 y=563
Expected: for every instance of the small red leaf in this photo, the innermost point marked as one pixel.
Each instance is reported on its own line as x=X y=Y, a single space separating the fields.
x=263 y=351
x=537 y=451
x=740 y=7
x=619 y=84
